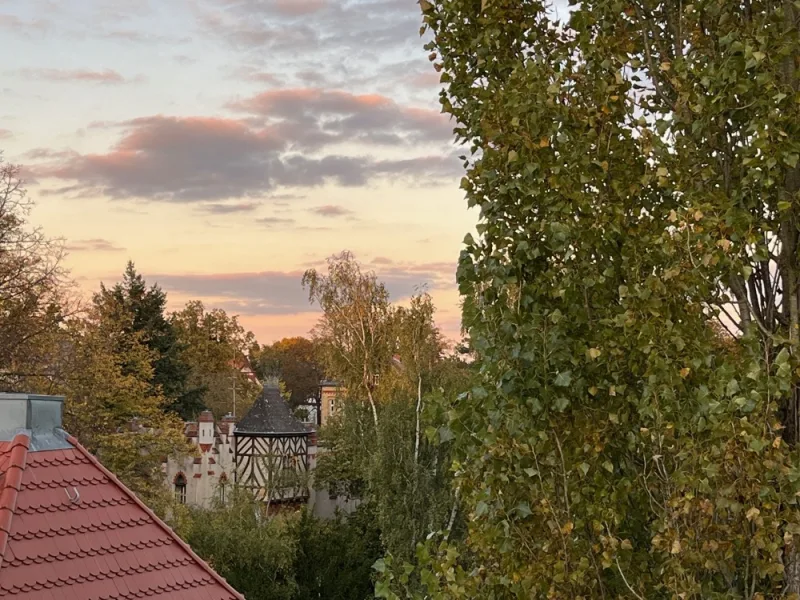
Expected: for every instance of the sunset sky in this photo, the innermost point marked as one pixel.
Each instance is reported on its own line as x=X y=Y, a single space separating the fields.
x=227 y=145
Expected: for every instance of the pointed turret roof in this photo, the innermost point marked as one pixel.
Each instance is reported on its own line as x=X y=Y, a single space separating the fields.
x=270 y=415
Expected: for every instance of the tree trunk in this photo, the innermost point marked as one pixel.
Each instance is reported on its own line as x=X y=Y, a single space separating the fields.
x=419 y=408
x=789 y=238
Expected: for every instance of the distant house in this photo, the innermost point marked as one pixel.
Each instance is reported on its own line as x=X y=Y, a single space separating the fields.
x=70 y=529
x=243 y=366
x=331 y=396
x=200 y=480
x=272 y=451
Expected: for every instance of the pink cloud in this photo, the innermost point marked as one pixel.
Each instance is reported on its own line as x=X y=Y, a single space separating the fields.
x=203 y=159
x=93 y=245
x=331 y=210
x=5 y=134
x=296 y=8
x=105 y=76
x=341 y=116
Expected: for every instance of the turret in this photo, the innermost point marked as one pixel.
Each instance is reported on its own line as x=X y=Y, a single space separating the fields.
x=205 y=426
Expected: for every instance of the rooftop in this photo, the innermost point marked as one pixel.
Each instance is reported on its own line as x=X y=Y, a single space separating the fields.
x=70 y=530
x=270 y=415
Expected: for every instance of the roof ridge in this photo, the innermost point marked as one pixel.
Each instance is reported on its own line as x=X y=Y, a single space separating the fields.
x=12 y=481
x=168 y=530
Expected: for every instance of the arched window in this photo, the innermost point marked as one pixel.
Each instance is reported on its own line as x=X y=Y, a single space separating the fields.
x=180 y=488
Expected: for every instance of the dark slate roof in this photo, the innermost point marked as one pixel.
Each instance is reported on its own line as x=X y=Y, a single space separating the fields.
x=270 y=415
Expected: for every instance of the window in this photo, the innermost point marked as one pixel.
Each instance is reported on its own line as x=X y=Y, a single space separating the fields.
x=180 y=488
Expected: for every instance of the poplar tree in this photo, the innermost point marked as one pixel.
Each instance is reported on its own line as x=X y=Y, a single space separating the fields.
x=636 y=171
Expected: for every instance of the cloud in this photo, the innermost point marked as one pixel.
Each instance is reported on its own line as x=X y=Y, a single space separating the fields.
x=297 y=29
x=316 y=117
x=93 y=245
x=105 y=76
x=204 y=159
x=16 y=25
x=331 y=210
x=6 y=134
x=227 y=209
x=267 y=292
x=296 y=8
x=281 y=293
x=274 y=221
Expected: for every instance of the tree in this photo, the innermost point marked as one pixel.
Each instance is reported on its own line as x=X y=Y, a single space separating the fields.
x=147 y=307
x=214 y=346
x=354 y=333
x=388 y=444
x=34 y=291
x=254 y=554
x=335 y=556
x=634 y=167
x=293 y=360
x=111 y=406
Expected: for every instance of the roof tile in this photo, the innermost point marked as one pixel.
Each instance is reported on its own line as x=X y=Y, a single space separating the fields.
x=106 y=545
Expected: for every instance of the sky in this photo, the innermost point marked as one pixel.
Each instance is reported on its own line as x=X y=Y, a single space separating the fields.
x=225 y=146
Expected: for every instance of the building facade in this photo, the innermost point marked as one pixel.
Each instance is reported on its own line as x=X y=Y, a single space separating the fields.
x=200 y=480
x=271 y=451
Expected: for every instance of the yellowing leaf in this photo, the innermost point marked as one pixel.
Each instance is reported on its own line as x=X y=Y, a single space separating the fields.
x=568 y=527
x=544 y=142
x=593 y=390
x=698 y=214
x=593 y=353
x=626 y=545
x=676 y=547
x=685 y=372
x=665 y=66
x=752 y=513
x=673 y=216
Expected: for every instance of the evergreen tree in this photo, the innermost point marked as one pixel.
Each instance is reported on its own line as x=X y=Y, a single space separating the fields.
x=147 y=307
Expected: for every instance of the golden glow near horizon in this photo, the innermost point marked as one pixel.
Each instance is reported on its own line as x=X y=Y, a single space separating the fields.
x=233 y=146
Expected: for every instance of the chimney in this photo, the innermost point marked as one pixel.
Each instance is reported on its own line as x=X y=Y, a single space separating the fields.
x=228 y=423
x=41 y=415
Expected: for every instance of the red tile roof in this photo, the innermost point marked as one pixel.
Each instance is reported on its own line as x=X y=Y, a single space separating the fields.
x=103 y=544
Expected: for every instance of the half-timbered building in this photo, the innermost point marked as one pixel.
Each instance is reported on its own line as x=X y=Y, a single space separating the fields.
x=271 y=451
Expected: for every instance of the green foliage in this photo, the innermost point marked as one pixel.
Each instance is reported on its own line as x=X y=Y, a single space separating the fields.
x=387 y=444
x=34 y=291
x=628 y=165
x=294 y=362
x=214 y=345
x=334 y=557
x=147 y=307
x=253 y=553
x=111 y=406
x=291 y=556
